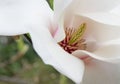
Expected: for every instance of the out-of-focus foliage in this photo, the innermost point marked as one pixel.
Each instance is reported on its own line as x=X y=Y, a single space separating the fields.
x=14 y=62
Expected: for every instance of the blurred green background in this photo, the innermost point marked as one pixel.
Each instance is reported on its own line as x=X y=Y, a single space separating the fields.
x=19 y=64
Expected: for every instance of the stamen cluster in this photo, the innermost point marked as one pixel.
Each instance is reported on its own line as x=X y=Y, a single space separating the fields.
x=73 y=40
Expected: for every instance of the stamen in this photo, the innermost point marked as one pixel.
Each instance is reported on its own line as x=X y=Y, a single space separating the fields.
x=73 y=40
x=78 y=33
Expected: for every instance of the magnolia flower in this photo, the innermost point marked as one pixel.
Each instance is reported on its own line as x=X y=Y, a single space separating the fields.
x=80 y=38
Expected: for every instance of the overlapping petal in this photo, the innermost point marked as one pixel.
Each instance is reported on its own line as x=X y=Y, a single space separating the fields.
x=103 y=26
x=100 y=11
x=101 y=32
x=59 y=9
x=84 y=6
x=53 y=54
x=66 y=9
x=105 y=39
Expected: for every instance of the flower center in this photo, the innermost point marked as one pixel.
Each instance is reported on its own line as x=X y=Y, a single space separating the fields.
x=73 y=40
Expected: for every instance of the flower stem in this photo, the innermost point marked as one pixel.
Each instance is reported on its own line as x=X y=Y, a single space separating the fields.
x=63 y=79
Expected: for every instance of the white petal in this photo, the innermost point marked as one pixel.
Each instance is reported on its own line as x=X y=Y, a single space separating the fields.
x=108 y=51
x=18 y=15
x=59 y=33
x=104 y=17
x=99 y=31
x=89 y=6
x=85 y=7
x=98 y=72
x=53 y=54
x=60 y=6
x=82 y=7
x=116 y=10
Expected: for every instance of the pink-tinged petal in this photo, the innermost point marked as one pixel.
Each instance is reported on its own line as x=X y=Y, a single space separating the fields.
x=16 y=16
x=54 y=55
x=59 y=33
x=59 y=9
x=98 y=72
x=107 y=51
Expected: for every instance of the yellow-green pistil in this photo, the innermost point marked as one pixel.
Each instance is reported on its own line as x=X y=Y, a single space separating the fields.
x=73 y=40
